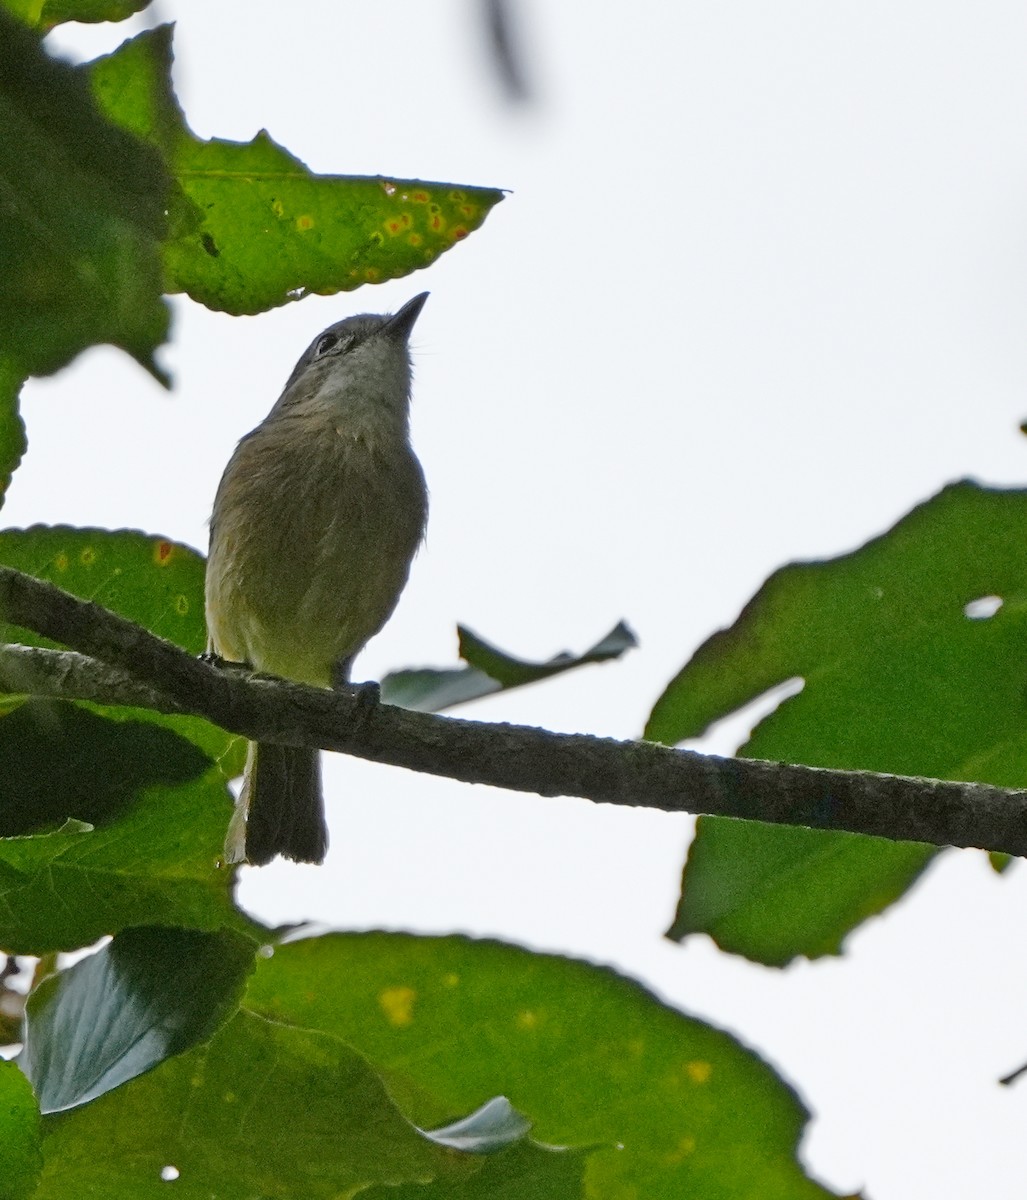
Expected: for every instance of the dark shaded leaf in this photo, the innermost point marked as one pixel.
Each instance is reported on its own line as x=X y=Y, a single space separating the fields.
x=149 y=994
x=82 y=216
x=159 y=862
x=490 y=670
x=59 y=761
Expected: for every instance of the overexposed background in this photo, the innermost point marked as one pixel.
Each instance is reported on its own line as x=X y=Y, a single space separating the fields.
x=759 y=287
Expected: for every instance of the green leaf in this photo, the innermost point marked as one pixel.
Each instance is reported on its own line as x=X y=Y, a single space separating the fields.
x=84 y=216
x=490 y=670
x=159 y=816
x=45 y=14
x=151 y=993
x=252 y=226
x=903 y=673
x=590 y=1057
x=262 y=1109
x=12 y=427
x=1000 y=862
x=158 y=863
x=21 y=1157
x=771 y=892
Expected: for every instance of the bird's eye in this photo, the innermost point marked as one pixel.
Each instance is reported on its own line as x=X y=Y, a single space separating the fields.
x=326 y=342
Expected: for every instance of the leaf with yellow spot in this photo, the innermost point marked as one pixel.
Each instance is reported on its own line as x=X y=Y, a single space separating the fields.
x=699 y=1072
x=668 y=1106
x=150 y=580
x=398 y=1005
x=252 y=226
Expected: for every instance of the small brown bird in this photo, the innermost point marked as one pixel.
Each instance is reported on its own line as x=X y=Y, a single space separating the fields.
x=316 y=519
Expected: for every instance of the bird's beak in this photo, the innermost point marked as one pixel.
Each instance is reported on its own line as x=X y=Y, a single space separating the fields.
x=400 y=325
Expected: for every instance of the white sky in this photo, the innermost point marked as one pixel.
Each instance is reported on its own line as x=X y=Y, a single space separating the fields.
x=760 y=286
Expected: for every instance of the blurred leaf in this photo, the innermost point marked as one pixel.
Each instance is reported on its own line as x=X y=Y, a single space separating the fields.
x=253 y=227
x=261 y=1110
x=21 y=1157
x=151 y=993
x=908 y=669
x=83 y=217
x=59 y=761
x=490 y=670
x=591 y=1058
x=505 y=52
x=158 y=863
x=45 y=14
x=12 y=427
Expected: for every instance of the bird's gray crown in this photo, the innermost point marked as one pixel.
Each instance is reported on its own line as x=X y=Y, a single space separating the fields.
x=345 y=335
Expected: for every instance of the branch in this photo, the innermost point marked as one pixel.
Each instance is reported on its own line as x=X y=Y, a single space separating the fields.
x=140 y=669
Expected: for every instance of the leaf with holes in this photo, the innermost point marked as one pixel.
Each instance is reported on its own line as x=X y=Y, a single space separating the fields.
x=911 y=650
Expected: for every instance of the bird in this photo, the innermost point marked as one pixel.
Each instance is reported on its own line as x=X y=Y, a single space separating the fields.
x=315 y=522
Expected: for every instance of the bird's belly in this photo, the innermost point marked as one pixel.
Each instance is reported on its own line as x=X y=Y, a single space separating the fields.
x=345 y=602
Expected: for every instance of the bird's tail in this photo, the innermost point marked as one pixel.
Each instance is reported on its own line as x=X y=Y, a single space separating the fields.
x=280 y=809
